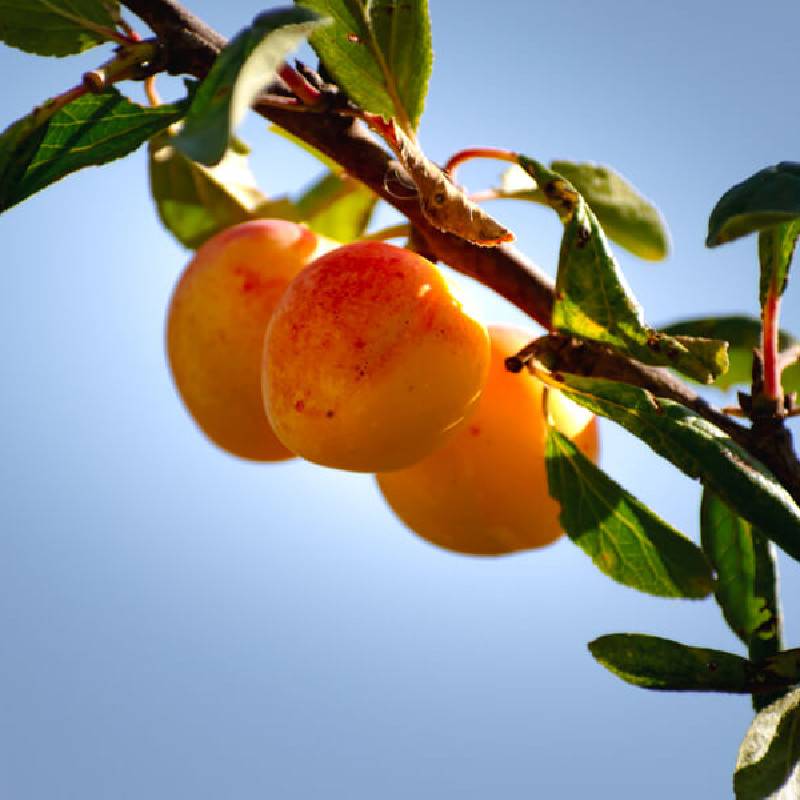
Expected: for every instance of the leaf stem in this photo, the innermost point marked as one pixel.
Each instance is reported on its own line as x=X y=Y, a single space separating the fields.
x=391 y=232
x=461 y=156
x=769 y=345
x=299 y=85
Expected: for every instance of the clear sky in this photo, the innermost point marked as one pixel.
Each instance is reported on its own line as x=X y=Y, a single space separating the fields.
x=179 y=624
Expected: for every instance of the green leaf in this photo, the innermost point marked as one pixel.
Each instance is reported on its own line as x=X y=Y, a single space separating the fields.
x=699 y=449
x=379 y=52
x=627 y=218
x=593 y=300
x=769 y=197
x=56 y=27
x=655 y=663
x=743 y=334
x=247 y=64
x=767 y=764
x=339 y=208
x=623 y=537
x=196 y=202
x=746 y=568
x=775 y=250
x=51 y=142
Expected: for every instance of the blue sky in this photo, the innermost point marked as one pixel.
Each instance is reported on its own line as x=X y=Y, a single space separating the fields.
x=176 y=623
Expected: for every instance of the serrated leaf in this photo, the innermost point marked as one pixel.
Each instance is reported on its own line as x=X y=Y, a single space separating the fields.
x=743 y=334
x=245 y=66
x=593 y=300
x=767 y=763
x=94 y=129
x=379 y=52
x=662 y=664
x=195 y=202
x=339 y=208
x=624 y=538
x=626 y=216
x=56 y=27
x=769 y=197
x=775 y=250
x=696 y=447
x=746 y=568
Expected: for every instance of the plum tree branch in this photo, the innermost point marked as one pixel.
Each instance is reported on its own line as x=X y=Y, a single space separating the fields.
x=190 y=47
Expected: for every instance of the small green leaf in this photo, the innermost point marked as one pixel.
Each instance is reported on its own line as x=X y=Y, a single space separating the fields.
x=48 y=144
x=593 y=300
x=699 y=449
x=195 y=202
x=655 y=663
x=56 y=27
x=247 y=64
x=626 y=540
x=743 y=334
x=769 y=197
x=379 y=52
x=746 y=568
x=627 y=218
x=775 y=250
x=339 y=208
x=767 y=764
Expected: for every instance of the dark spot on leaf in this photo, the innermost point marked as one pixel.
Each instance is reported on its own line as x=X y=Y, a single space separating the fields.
x=474 y=430
x=329 y=413
x=712 y=665
x=583 y=234
x=299 y=405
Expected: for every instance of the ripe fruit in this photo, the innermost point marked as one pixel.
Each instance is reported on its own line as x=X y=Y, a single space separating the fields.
x=485 y=491
x=370 y=363
x=216 y=322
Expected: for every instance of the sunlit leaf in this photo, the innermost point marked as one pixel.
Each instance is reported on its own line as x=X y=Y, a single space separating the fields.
x=769 y=197
x=43 y=147
x=655 y=663
x=336 y=207
x=626 y=216
x=56 y=27
x=775 y=250
x=379 y=52
x=593 y=300
x=624 y=538
x=767 y=764
x=742 y=334
x=247 y=64
x=195 y=202
x=746 y=566
x=696 y=447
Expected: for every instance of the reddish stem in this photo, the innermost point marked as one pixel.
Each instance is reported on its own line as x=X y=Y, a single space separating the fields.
x=478 y=152
x=299 y=85
x=769 y=345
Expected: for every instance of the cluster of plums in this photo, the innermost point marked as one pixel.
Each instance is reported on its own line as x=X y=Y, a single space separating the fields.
x=359 y=357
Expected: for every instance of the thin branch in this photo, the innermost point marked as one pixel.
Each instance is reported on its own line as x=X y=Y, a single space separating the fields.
x=191 y=47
